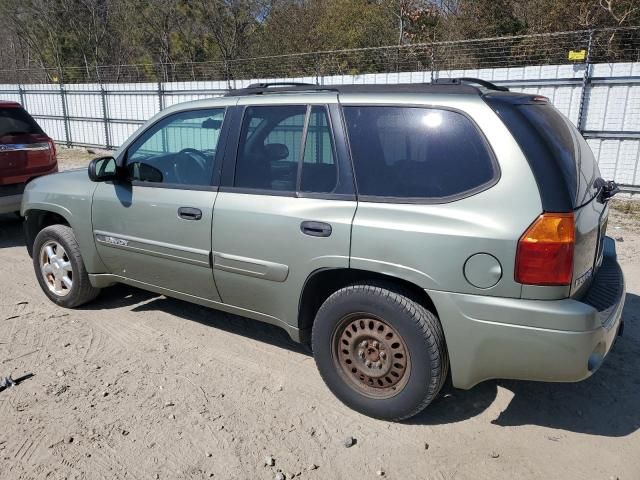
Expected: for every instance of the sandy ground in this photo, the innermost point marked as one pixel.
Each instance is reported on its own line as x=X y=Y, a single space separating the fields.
x=138 y=386
x=77 y=157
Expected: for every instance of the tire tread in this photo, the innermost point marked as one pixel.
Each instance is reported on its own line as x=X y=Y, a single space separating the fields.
x=426 y=322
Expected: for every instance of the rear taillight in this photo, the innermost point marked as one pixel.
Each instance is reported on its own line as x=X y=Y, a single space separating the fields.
x=545 y=251
x=52 y=149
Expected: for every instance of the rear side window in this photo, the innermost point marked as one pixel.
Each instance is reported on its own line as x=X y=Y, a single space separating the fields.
x=273 y=151
x=569 y=149
x=319 y=167
x=16 y=121
x=417 y=153
x=270 y=147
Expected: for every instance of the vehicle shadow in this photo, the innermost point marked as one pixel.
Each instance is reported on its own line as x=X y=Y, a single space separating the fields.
x=605 y=404
x=123 y=295
x=11 y=234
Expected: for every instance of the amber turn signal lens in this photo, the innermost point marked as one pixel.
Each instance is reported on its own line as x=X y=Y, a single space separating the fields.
x=545 y=251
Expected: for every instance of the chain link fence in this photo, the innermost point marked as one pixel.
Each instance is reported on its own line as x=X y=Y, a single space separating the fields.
x=599 y=46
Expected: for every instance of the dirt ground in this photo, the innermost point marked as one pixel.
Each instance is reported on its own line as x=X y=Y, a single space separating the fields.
x=139 y=386
x=77 y=157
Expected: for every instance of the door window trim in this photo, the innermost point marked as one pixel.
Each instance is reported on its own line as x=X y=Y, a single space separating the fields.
x=335 y=125
x=497 y=173
x=214 y=182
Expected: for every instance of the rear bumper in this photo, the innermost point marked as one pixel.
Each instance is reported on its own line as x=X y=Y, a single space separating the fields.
x=10 y=204
x=11 y=197
x=547 y=340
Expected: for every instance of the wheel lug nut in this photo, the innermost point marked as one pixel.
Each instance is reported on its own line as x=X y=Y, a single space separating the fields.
x=383 y=355
x=379 y=364
x=375 y=344
x=364 y=344
x=361 y=353
x=368 y=363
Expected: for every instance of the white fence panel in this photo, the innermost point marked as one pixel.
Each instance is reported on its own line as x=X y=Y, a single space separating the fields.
x=106 y=115
x=88 y=105
x=119 y=132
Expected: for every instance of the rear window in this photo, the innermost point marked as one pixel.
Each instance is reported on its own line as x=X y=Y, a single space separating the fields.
x=569 y=149
x=417 y=153
x=16 y=121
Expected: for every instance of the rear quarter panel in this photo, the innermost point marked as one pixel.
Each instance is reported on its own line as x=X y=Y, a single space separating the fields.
x=428 y=244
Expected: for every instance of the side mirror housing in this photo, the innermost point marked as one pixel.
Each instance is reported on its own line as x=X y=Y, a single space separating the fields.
x=103 y=169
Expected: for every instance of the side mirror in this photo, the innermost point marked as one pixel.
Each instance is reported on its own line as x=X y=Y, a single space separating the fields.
x=103 y=169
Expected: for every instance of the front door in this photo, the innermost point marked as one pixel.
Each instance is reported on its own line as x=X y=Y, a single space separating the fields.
x=156 y=227
x=285 y=206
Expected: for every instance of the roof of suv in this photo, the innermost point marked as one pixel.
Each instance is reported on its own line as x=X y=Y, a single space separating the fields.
x=452 y=86
x=436 y=88
x=9 y=104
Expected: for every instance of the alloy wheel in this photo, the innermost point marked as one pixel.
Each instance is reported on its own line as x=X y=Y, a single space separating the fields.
x=56 y=269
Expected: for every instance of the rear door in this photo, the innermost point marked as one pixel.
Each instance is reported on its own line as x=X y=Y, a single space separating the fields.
x=285 y=205
x=156 y=227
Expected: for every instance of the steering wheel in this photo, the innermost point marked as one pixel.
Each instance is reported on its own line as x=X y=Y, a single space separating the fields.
x=190 y=175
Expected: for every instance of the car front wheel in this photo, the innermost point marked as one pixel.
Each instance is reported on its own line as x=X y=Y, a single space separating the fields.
x=379 y=352
x=59 y=267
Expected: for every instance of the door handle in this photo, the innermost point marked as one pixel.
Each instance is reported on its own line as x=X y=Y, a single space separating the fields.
x=315 y=229
x=190 y=213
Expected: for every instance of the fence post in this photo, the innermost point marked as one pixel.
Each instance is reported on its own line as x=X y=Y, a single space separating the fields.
x=433 y=62
x=103 y=96
x=318 y=76
x=21 y=93
x=65 y=114
x=160 y=96
x=586 y=80
x=226 y=74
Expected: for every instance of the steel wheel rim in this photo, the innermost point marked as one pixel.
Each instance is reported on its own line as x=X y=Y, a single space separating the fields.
x=371 y=355
x=56 y=269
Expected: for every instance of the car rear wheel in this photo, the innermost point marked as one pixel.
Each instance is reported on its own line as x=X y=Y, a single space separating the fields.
x=380 y=352
x=59 y=267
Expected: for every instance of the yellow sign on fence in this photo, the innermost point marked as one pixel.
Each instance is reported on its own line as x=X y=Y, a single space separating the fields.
x=577 y=54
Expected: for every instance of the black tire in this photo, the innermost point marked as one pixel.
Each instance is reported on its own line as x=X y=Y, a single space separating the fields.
x=81 y=290
x=422 y=339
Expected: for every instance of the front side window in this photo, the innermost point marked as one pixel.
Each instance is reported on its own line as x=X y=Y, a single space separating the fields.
x=412 y=152
x=180 y=149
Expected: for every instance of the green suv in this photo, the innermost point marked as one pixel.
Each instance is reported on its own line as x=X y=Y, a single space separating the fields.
x=407 y=232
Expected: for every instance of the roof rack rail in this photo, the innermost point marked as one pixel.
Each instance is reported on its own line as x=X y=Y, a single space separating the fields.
x=266 y=87
x=469 y=80
x=281 y=84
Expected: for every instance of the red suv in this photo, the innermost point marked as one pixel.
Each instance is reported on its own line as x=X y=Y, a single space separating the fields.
x=26 y=152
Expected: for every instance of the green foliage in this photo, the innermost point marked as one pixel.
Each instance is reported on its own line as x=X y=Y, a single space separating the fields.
x=87 y=34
